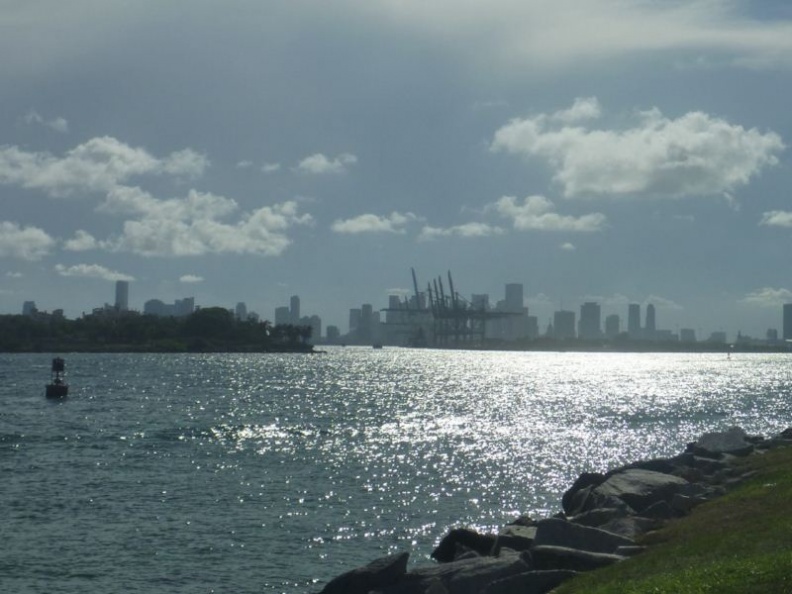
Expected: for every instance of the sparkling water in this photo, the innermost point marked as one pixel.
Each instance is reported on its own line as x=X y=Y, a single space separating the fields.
x=233 y=473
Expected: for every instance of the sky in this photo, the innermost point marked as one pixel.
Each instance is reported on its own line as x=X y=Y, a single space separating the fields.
x=609 y=150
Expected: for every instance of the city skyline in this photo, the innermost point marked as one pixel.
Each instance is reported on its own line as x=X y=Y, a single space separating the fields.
x=610 y=152
x=588 y=322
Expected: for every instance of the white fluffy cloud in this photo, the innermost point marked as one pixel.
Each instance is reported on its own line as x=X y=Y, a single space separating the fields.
x=467 y=230
x=319 y=164
x=193 y=226
x=98 y=165
x=535 y=213
x=92 y=271
x=191 y=279
x=25 y=243
x=58 y=124
x=371 y=223
x=693 y=155
x=768 y=297
x=777 y=218
x=81 y=242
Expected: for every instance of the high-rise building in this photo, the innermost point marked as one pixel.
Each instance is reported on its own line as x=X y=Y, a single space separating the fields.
x=282 y=316
x=514 y=297
x=634 y=320
x=29 y=308
x=294 y=309
x=354 y=319
x=240 y=312
x=651 y=326
x=612 y=326
x=687 y=335
x=787 y=321
x=590 y=327
x=564 y=324
x=122 y=295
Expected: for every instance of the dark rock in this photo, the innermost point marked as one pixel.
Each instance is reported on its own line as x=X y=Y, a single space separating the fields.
x=631 y=526
x=786 y=433
x=658 y=511
x=532 y=582
x=587 y=479
x=597 y=517
x=515 y=537
x=566 y=534
x=446 y=551
x=555 y=557
x=378 y=574
x=630 y=551
x=459 y=577
x=682 y=505
x=640 y=488
x=523 y=521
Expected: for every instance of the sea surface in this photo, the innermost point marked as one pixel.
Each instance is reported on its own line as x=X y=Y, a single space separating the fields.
x=275 y=473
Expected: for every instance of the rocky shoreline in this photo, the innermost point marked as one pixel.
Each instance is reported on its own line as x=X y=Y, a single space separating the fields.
x=603 y=515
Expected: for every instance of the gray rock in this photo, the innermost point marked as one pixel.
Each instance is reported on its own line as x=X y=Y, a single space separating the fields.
x=469 y=539
x=630 y=551
x=732 y=441
x=532 y=582
x=459 y=577
x=658 y=511
x=586 y=479
x=552 y=557
x=378 y=574
x=684 y=504
x=597 y=517
x=562 y=533
x=631 y=526
x=640 y=488
x=515 y=537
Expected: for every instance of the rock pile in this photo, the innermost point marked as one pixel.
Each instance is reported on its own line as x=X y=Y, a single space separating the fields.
x=602 y=516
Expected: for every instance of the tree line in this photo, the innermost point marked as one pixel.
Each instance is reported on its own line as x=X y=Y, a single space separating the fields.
x=211 y=329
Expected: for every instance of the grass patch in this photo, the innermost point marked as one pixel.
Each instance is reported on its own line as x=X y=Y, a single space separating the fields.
x=740 y=543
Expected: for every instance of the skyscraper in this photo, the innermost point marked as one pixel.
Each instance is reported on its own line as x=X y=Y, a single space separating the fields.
x=788 y=321
x=564 y=324
x=514 y=297
x=612 y=326
x=590 y=327
x=294 y=309
x=122 y=295
x=634 y=320
x=651 y=326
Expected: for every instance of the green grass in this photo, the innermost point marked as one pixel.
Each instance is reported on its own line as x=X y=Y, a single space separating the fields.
x=740 y=543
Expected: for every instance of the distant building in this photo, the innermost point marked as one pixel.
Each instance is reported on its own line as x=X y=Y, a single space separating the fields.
x=787 y=327
x=687 y=335
x=717 y=337
x=612 y=326
x=122 y=295
x=634 y=320
x=282 y=316
x=29 y=308
x=355 y=315
x=240 y=311
x=589 y=327
x=651 y=323
x=294 y=309
x=564 y=325
x=514 y=298
x=333 y=335
x=178 y=309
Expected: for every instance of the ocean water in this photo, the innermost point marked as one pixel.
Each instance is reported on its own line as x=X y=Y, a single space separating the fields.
x=274 y=473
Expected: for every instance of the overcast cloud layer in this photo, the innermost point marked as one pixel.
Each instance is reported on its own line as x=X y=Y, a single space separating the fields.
x=611 y=150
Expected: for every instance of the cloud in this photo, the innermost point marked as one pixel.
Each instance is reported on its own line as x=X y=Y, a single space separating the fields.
x=98 y=165
x=14 y=274
x=467 y=230
x=693 y=155
x=58 y=124
x=536 y=213
x=768 y=297
x=81 y=242
x=25 y=243
x=270 y=167
x=319 y=164
x=193 y=226
x=777 y=218
x=554 y=34
x=191 y=278
x=244 y=164
x=662 y=303
x=370 y=223
x=92 y=271
x=568 y=247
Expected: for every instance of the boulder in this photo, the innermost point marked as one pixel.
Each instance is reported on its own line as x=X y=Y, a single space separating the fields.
x=597 y=517
x=631 y=526
x=587 y=479
x=562 y=533
x=640 y=488
x=378 y=574
x=531 y=582
x=515 y=537
x=459 y=577
x=552 y=557
x=733 y=441
x=461 y=540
